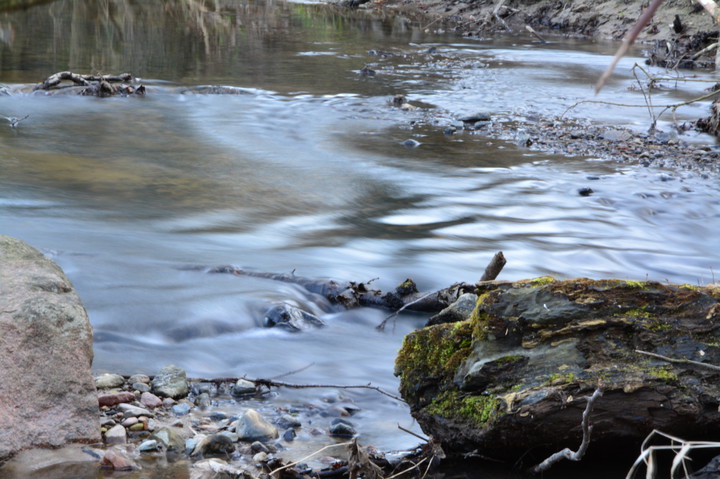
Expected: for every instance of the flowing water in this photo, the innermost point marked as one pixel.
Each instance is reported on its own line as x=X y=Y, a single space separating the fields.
x=304 y=170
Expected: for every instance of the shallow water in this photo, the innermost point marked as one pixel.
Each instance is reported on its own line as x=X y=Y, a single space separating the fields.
x=305 y=171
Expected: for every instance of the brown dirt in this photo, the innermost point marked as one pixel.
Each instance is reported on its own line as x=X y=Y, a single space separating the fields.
x=608 y=19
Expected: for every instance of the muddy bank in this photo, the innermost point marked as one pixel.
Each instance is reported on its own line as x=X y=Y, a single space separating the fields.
x=609 y=19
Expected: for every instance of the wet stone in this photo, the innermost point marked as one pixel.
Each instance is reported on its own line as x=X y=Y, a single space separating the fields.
x=142 y=387
x=289 y=435
x=410 y=143
x=251 y=426
x=118 y=460
x=585 y=191
x=243 y=387
x=129 y=410
x=139 y=379
x=342 y=429
x=215 y=444
x=149 y=445
x=116 y=435
x=181 y=409
x=108 y=380
x=288 y=420
x=475 y=117
x=115 y=398
x=150 y=400
x=171 y=382
x=203 y=401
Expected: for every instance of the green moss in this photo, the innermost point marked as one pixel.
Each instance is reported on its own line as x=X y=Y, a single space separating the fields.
x=663 y=373
x=557 y=377
x=691 y=287
x=476 y=409
x=542 y=280
x=637 y=313
x=479 y=318
x=636 y=284
x=432 y=354
x=505 y=360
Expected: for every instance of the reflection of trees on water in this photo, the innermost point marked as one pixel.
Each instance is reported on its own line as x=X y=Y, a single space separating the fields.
x=175 y=40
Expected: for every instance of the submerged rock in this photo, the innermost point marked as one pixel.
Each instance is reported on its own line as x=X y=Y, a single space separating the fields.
x=291 y=318
x=511 y=380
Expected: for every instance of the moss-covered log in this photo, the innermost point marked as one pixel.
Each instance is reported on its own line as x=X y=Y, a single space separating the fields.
x=509 y=382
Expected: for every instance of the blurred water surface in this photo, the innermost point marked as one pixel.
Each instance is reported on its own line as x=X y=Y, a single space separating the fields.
x=304 y=170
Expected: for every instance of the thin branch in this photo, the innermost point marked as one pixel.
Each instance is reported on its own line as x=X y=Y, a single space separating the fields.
x=381 y=326
x=413 y=434
x=627 y=41
x=291 y=464
x=625 y=105
x=567 y=453
x=269 y=383
x=414 y=466
x=711 y=367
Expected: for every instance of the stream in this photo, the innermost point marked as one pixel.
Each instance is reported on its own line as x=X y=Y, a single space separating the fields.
x=304 y=170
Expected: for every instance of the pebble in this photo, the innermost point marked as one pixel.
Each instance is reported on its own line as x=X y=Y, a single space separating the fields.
x=181 y=409
x=118 y=460
x=108 y=380
x=113 y=399
x=150 y=400
x=251 y=426
x=214 y=444
x=585 y=191
x=217 y=416
x=203 y=401
x=116 y=435
x=288 y=421
x=141 y=387
x=257 y=446
x=342 y=430
x=171 y=381
x=169 y=438
x=260 y=457
x=410 y=143
x=243 y=387
x=289 y=435
x=129 y=410
x=149 y=445
x=139 y=379
x=475 y=117
x=130 y=421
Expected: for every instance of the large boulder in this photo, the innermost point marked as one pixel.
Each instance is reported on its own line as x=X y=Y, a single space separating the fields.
x=510 y=382
x=47 y=391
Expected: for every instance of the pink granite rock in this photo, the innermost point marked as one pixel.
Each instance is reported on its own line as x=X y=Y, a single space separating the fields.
x=47 y=390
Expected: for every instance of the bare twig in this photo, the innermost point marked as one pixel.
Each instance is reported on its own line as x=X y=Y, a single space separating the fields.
x=413 y=434
x=291 y=464
x=270 y=383
x=627 y=41
x=705 y=50
x=14 y=121
x=567 y=453
x=536 y=34
x=690 y=362
x=381 y=326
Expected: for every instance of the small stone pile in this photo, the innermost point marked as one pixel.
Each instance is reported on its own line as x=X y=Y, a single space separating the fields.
x=208 y=424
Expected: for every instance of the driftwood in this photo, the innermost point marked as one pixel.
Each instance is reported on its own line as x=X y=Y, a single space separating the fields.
x=350 y=294
x=93 y=85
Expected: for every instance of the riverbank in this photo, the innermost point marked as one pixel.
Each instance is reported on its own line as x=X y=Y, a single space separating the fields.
x=601 y=20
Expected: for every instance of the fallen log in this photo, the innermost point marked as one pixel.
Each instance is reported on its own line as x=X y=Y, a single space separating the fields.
x=351 y=294
x=93 y=85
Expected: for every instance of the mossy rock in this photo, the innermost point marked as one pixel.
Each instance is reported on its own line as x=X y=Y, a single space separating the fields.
x=510 y=381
